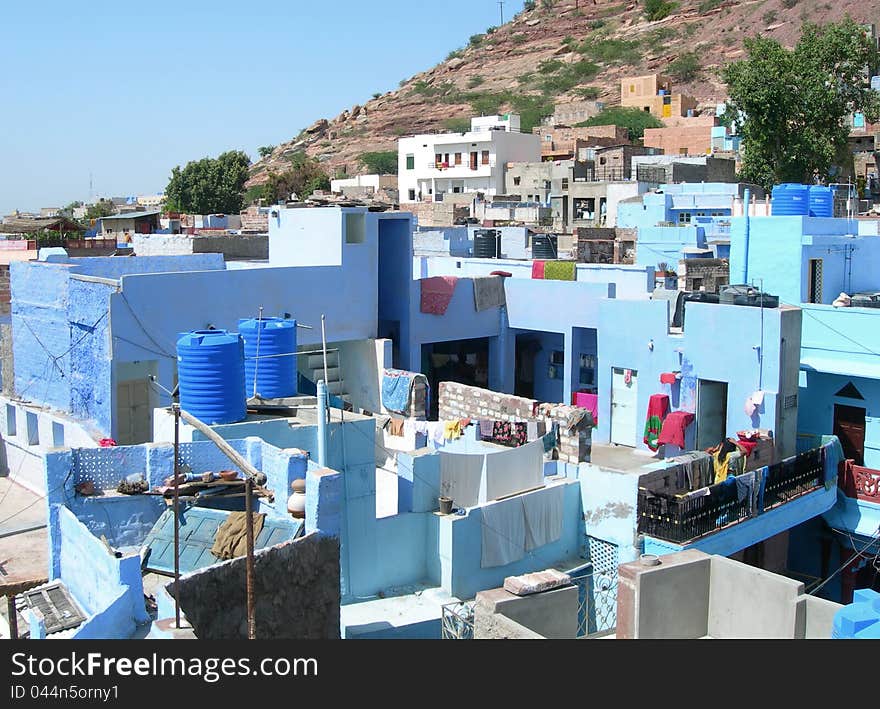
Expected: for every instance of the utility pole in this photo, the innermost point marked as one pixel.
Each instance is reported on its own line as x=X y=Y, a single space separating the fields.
x=501 y=6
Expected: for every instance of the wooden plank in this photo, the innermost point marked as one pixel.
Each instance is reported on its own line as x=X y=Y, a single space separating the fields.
x=221 y=443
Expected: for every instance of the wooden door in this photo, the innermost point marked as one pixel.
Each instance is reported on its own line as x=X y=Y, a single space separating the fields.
x=849 y=427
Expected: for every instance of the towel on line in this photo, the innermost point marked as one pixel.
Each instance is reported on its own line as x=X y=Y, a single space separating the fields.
x=436 y=292
x=538 y=269
x=560 y=271
x=396 y=386
x=488 y=292
x=503 y=532
x=674 y=426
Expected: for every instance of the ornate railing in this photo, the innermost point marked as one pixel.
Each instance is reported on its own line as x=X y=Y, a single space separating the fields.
x=457 y=621
x=859 y=482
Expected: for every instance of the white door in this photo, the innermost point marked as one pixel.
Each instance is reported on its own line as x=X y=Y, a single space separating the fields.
x=624 y=407
x=711 y=413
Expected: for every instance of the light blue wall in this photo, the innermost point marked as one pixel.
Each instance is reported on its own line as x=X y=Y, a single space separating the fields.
x=107 y=588
x=461 y=549
x=610 y=502
x=719 y=343
x=779 y=250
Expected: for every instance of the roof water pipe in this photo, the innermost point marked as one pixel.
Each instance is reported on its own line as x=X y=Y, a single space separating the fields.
x=747 y=201
x=323 y=415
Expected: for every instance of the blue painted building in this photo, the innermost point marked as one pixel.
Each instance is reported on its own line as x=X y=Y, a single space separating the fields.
x=683 y=220
x=812 y=262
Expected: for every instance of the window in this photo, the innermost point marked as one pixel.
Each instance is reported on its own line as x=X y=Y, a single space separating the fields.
x=547 y=185
x=438 y=159
x=458 y=158
x=682 y=151
x=33 y=428
x=684 y=218
x=485 y=158
x=10 y=420
x=412 y=195
x=815 y=284
x=57 y=434
x=601 y=161
x=516 y=181
x=355 y=228
x=411 y=163
x=565 y=183
x=632 y=88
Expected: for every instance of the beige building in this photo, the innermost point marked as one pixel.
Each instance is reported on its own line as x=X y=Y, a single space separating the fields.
x=644 y=92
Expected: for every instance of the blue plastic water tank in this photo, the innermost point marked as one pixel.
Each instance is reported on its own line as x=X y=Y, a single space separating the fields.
x=821 y=201
x=275 y=376
x=210 y=372
x=790 y=199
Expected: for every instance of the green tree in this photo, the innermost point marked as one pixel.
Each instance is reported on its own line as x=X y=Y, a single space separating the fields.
x=686 y=67
x=790 y=105
x=265 y=150
x=633 y=119
x=658 y=9
x=303 y=177
x=101 y=208
x=209 y=185
x=380 y=163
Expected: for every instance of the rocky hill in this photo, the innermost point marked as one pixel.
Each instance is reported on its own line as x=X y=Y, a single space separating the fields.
x=560 y=51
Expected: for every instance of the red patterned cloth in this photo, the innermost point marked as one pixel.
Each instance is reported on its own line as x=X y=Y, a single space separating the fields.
x=538 y=269
x=674 y=426
x=436 y=293
x=667 y=378
x=658 y=407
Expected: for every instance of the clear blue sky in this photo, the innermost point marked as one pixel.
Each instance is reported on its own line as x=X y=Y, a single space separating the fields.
x=127 y=91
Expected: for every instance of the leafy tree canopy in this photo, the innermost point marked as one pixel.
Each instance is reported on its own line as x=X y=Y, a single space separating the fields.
x=265 y=150
x=101 y=208
x=380 y=163
x=791 y=105
x=209 y=185
x=304 y=176
x=633 y=119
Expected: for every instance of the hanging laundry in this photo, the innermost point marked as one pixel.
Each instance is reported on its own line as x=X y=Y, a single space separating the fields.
x=538 y=269
x=720 y=462
x=396 y=388
x=658 y=407
x=668 y=378
x=590 y=402
x=436 y=431
x=487 y=427
x=560 y=271
x=451 y=430
x=436 y=292
x=674 y=426
x=488 y=292
x=395 y=426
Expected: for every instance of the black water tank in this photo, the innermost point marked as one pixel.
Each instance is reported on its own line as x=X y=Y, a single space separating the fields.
x=544 y=246
x=487 y=243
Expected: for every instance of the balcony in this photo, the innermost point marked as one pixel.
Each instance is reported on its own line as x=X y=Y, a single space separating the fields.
x=860 y=483
x=685 y=518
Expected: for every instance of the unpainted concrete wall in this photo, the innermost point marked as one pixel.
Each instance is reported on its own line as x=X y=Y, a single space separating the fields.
x=296 y=590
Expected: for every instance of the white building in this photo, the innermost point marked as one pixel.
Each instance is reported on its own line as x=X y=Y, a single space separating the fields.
x=364 y=183
x=436 y=164
x=151 y=200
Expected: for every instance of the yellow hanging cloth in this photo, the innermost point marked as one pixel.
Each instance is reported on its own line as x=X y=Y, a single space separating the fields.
x=721 y=467
x=452 y=429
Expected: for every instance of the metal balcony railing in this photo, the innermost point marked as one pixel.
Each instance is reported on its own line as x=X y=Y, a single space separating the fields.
x=679 y=517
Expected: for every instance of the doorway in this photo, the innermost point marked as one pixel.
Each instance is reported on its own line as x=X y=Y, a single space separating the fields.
x=624 y=407
x=135 y=401
x=711 y=413
x=849 y=427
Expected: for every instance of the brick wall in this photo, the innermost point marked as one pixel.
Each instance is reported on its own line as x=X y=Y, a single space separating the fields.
x=462 y=401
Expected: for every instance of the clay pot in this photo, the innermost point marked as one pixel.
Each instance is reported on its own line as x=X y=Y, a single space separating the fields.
x=296 y=503
x=228 y=474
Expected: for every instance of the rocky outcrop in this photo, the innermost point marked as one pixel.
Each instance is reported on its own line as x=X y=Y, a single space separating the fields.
x=504 y=58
